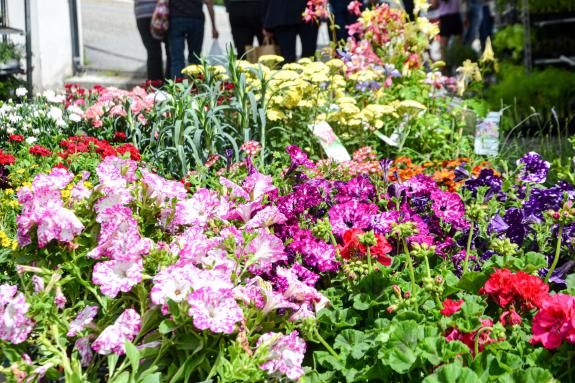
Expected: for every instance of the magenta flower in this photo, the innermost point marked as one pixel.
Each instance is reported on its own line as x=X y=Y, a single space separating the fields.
x=283 y=354
x=115 y=276
x=351 y=214
x=382 y=223
x=214 y=309
x=84 y=318
x=447 y=206
x=112 y=339
x=161 y=190
x=299 y=157
x=14 y=324
x=555 y=321
x=198 y=210
x=192 y=245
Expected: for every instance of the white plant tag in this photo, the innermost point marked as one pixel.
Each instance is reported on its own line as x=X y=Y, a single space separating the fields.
x=330 y=143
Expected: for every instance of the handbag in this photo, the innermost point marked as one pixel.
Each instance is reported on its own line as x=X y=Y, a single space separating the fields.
x=268 y=47
x=160 y=20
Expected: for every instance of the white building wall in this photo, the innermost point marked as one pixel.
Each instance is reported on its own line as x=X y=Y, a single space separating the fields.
x=51 y=40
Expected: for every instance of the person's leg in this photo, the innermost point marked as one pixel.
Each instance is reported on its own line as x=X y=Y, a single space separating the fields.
x=242 y=32
x=340 y=14
x=153 y=48
x=486 y=29
x=286 y=39
x=176 y=45
x=195 y=36
x=475 y=15
x=308 y=34
x=166 y=44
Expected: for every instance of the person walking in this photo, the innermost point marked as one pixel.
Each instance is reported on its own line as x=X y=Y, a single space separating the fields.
x=450 y=23
x=342 y=17
x=246 y=23
x=474 y=18
x=187 y=25
x=284 y=21
x=154 y=63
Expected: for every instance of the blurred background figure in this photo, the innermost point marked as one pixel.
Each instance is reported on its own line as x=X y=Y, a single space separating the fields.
x=155 y=62
x=474 y=18
x=283 y=19
x=187 y=25
x=246 y=22
x=450 y=23
x=486 y=28
x=342 y=17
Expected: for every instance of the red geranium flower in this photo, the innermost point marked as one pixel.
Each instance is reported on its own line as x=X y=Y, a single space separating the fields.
x=353 y=247
x=39 y=150
x=6 y=159
x=524 y=289
x=120 y=137
x=450 y=307
x=16 y=138
x=555 y=321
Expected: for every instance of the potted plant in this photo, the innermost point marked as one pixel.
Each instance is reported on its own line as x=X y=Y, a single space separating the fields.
x=9 y=56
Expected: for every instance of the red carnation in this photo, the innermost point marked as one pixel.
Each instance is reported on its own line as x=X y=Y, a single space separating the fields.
x=16 y=138
x=450 y=307
x=39 y=151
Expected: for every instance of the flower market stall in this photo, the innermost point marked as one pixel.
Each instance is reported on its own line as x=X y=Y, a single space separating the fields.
x=203 y=230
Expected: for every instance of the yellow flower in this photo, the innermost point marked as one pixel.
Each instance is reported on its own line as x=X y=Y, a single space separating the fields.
x=193 y=70
x=88 y=184
x=271 y=60
x=13 y=204
x=470 y=70
x=335 y=64
x=420 y=5
x=65 y=194
x=20 y=171
x=488 y=54
x=9 y=191
x=275 y=115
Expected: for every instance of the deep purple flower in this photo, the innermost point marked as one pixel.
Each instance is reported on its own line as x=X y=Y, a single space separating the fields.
x=541 y=200
x=497 y=225
x=382 y=223
x=420 y=184
x=351 y=214
x=385 y=165
x=461 y=173
x=517 y=230
x=488 y=179
x=534 y=168
x=447 y=206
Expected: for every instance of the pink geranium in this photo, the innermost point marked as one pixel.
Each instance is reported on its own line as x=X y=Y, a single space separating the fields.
x=555 y=321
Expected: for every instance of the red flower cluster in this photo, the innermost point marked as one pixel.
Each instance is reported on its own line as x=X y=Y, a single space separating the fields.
x=523 y=289
x=469 y=338
x=6 y=159
x=555 y=321
x=16 y=138
x=353 y=247
x=120 y=137
x=83 y=144
x=450 y=307
x=39 y=150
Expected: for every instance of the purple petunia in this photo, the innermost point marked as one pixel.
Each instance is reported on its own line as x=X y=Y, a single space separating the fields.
x=351 y=214
x=14 y=323
x=534 y=168
x=114 y=276
x=84 y=318
x=265 y=249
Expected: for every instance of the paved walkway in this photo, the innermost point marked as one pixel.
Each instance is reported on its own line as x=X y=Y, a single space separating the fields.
x=112 y=42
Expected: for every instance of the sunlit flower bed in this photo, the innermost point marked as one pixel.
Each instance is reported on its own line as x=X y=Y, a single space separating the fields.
x=303 y=270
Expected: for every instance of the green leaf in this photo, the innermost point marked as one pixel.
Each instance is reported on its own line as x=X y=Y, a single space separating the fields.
x=166 y=326
x=472 y=281
x=534 y=261
x=361 y=302
x=133 y=355
x=124 y=377
x=352 y=342
x=570 y=281
x=452 y=373
x=400 y=352
x=534 y=375
x=153 y=378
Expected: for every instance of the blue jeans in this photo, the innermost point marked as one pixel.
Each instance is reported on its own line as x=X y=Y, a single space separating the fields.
x=475 y=14
x=184 y=29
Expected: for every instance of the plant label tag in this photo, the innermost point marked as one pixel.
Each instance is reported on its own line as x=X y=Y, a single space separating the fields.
x=330 y=143
x=487 y=135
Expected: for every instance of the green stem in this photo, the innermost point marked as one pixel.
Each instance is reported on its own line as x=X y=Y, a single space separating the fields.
x=369 y=264
x=324 y=343
x=479 y=332
x=557 y=250
x=468 y=250
x=409 y=263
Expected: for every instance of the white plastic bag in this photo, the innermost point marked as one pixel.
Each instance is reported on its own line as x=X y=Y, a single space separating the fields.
x=216 y=54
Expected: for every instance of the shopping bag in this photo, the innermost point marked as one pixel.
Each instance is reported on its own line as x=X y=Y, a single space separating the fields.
x=216 y=54
x=268 y=47
x=160 y=20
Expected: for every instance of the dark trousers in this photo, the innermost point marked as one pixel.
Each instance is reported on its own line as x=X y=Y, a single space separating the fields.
x=486 y=28
x=154 y=63
x=342 y=18
x=286 y=36
x=182 y=30
x=246 y=23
